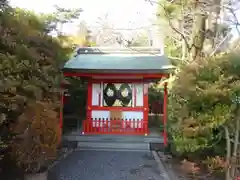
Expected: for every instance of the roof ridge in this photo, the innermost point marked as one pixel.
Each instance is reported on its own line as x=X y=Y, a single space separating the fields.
x=122 y=50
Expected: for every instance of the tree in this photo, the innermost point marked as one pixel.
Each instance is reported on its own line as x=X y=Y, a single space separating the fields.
x=204 y=104
x=140 y=40
x=204 y=91
x=3 y=4
x=40 y=136
x=29 y=67
x=195 y=26
x=83 y=37
x=63 y=16
x=106 y=34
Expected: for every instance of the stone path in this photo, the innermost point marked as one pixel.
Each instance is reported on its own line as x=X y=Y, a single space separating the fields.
x=107 y=165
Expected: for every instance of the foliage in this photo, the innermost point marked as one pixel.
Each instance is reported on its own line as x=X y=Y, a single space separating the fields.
x=81 y=41
x=215 y=163
x=193 y=27
x=63 y=15
x=140 y=40
x=201 y=102
x=190 y=167
x=77 y=90
x=155 y=93
x=39 y=136
x=173 y=50
x=29 y=61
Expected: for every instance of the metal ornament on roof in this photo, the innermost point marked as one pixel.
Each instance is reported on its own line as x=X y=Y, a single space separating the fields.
x=117 y=50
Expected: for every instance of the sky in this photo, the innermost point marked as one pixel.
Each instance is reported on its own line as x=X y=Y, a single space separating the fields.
x=123 y=14
x=128 y=14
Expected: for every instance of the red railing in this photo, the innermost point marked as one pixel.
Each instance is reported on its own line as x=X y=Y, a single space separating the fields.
x=115 y=126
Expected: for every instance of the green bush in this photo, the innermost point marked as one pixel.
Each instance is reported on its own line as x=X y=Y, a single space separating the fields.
x=39 y=136
x=202 y=101
x=29 y=69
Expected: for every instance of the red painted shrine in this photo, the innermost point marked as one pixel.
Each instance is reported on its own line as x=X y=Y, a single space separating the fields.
x=118 y=81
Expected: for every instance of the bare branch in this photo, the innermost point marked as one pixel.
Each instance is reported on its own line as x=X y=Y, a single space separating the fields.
x=237 y=46
x=235 y=18
x=170 y=23
x=218 y=46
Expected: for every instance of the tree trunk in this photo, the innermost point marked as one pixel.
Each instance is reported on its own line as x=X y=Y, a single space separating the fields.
x=184 y=45
x=184 y=50
x=198 y=36
x=198 y=31
x=228 y=153
x=212 y=24
x=236 y=142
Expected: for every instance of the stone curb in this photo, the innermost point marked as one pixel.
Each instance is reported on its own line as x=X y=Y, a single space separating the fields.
x=170 y=171
x=166 y=172
x=66 y=154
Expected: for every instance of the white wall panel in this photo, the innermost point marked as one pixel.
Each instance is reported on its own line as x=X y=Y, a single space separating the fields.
x=139 y=94
x=96 y=90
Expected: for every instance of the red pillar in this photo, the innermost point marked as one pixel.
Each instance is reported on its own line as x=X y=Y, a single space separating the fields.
x=89 y=101
x=145 y=112
x=87 y=124
x=165 y=114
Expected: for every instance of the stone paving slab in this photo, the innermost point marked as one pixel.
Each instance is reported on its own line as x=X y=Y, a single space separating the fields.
x=107 y=165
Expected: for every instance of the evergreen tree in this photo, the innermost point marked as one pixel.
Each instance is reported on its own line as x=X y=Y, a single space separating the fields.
x=29 y=66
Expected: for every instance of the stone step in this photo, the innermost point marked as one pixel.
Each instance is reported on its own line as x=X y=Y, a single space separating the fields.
x=109 y=149
x=114 y=145
x=115 y=138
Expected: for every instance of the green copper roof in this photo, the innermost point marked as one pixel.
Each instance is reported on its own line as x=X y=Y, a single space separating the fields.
x=117 y=60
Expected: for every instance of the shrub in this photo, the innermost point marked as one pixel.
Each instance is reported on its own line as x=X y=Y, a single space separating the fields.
x=215 y=164
x=202 y=101
x=38 y=136
x=29 y=68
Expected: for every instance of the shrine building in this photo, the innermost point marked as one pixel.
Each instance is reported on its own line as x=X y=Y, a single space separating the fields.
x=118 y=81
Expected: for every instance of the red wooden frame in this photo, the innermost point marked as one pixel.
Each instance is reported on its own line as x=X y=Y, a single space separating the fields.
x=143 y=76
x=105 y=126
x=117 y=108
x=91 y=107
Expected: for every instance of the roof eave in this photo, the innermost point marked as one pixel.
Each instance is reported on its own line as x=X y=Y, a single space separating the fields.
x=120 y=71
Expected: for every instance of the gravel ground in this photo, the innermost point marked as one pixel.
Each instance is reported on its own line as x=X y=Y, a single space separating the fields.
x=106 y=165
